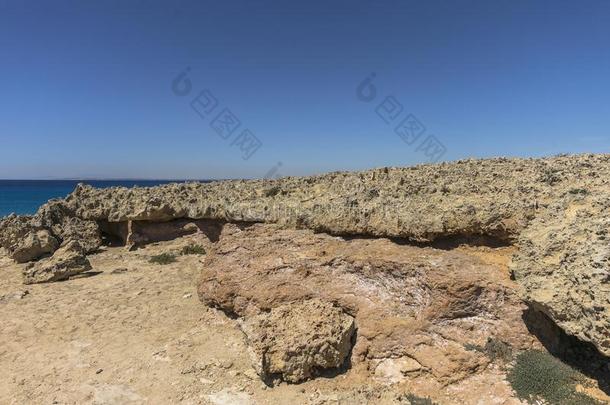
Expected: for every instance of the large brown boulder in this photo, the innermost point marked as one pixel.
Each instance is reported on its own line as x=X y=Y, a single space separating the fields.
x=410 y=304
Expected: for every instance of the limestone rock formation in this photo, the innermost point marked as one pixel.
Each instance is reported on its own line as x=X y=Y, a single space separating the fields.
x=478 y=197
x=560 y=261
x=394 y=370
x=65 y=225
x=34 y=245
x=293 y=342
x=55 y=223
x=493 y=197
x=13 y=230
x=563 y=265
x=407 y=302
x=67 y=261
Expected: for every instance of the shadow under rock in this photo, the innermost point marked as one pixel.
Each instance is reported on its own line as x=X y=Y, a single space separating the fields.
x=583 y=356
x=445 y=242
x=86 y=274
x=347 y=363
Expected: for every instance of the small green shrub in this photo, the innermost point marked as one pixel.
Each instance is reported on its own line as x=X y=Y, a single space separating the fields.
x=193 y=250
x=164 y=258
x=495 y=349
x=538 y=375
x=581 y=191
x=550 y=176
x=415 y=400
x=474 y=348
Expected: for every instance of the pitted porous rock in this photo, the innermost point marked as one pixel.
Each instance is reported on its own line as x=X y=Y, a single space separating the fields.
x=35 y=245
x=67 y=261
x=29 y=238
x=295 y=341
x=563 y=266
x=526 y=202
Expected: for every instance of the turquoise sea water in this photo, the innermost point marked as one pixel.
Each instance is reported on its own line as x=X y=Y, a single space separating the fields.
x=26 y=196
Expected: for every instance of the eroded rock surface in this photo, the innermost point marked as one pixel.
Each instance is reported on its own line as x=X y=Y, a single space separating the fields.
x=421 y=304
x=293 y=342
x=564 y=266
x=53 y=224
x=63 y=223
x=67 y=261
x=529 y=202
x=491 y=197
x=34 y=245
x=494 y=197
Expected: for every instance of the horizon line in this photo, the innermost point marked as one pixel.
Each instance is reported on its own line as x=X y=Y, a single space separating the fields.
x=113 y=179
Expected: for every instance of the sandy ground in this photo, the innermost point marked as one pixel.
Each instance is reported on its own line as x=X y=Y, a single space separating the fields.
x=135 y=333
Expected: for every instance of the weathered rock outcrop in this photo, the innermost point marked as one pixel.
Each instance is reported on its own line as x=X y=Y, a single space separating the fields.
x=34 y=245
x=494 y=197
x=564 y=265
x=521 y=201
x=31 y=237
x=69 y=260
x=410 y=305
x=65 y=225
x=13 y=231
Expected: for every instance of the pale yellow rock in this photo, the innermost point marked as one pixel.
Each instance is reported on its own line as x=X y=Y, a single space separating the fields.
x=66 y=262
x=294 y=342
x=34 y=245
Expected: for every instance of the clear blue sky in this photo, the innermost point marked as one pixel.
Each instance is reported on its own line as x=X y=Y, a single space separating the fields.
x=87 y=86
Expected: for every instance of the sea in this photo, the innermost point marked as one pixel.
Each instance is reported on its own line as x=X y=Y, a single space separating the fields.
x=24 y=197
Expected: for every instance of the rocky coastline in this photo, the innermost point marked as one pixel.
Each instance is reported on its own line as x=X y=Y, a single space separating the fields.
x=397 y=273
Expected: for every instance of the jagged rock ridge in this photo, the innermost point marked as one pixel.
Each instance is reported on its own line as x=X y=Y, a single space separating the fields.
x=552 y=209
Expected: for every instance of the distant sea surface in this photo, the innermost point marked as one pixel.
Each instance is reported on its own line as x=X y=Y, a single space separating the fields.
x=26 y=196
